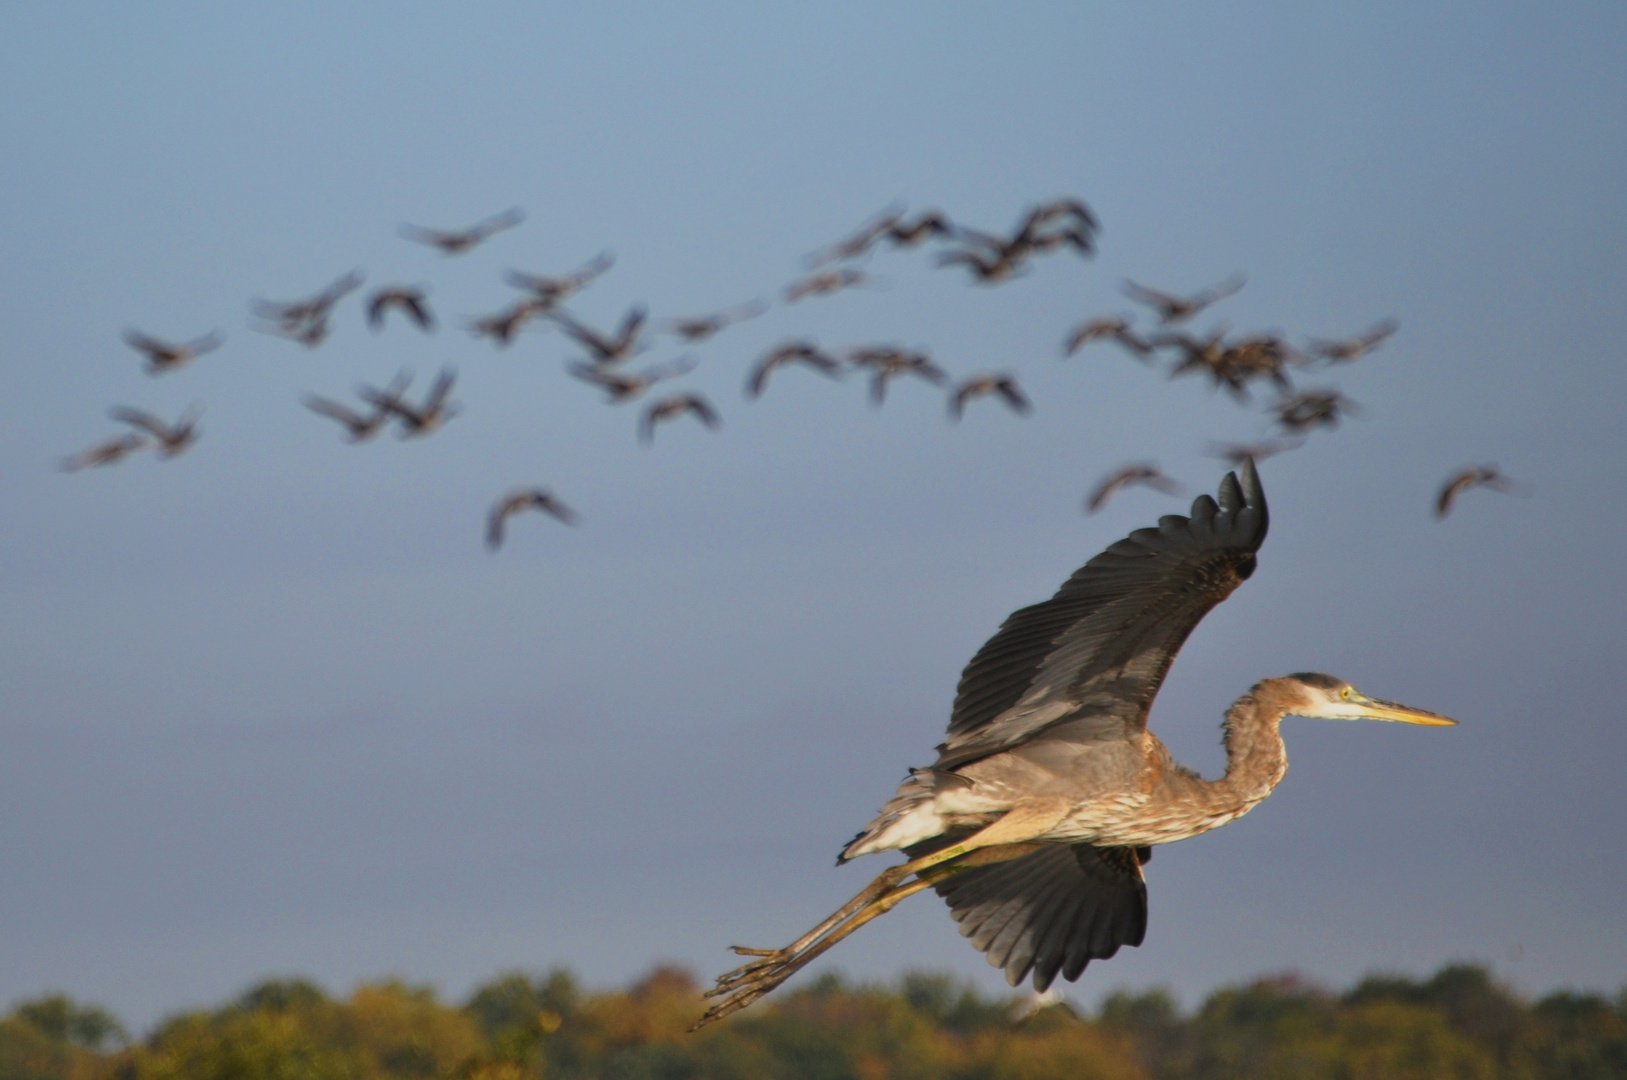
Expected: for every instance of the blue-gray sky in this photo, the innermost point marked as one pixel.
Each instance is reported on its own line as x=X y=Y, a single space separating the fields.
x=271 y=707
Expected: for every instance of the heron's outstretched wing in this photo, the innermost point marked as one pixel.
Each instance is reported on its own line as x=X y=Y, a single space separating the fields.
x=1051 y=912
x=1095 y=654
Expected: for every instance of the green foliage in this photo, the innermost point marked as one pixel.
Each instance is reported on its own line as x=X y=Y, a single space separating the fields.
x=60 y=1020
x=282 y=995
x=1459 y=1024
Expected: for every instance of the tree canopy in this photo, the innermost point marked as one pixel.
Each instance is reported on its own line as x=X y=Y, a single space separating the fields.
x=1459 y=1023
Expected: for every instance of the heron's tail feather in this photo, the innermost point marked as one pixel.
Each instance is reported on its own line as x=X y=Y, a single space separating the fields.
x=909 y=816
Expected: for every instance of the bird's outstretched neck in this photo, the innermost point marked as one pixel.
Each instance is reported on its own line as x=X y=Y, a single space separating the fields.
x=1256 y=759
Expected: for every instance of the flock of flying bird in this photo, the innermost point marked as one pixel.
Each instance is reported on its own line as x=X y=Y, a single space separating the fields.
x=1232 y=364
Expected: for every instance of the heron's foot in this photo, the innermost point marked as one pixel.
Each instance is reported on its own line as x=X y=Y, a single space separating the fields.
x=745 y=985
x=769 y=968
x=765 y=959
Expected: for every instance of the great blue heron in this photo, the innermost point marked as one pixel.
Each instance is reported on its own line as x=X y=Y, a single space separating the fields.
x=1049 y=792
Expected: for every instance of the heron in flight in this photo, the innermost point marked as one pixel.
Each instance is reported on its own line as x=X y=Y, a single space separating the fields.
x=1049 y=791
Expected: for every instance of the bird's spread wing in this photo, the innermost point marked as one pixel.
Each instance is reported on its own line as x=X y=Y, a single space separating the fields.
x=146 y=421
x=1051 y=912
x=1098 y=650
x=440 y=390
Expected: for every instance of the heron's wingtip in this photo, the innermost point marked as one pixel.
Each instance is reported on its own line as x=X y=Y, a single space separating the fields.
x=1254 y=495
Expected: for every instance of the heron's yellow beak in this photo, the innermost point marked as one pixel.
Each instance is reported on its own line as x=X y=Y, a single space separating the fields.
x=1374 y=709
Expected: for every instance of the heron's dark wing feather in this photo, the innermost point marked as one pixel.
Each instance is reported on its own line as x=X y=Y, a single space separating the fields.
x=1051 y=911
x=1098 y=650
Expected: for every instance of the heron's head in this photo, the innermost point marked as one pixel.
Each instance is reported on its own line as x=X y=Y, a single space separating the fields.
x=1327 y=698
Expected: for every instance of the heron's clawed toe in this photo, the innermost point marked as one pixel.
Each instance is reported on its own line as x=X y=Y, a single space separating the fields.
x=741 y=991
x=731 y=980
x=742 y=950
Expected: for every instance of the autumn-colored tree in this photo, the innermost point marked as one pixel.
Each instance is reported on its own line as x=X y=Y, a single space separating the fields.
x=1459 y=1024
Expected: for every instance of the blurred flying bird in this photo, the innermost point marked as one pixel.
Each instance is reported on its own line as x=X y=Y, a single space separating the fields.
x=1002 y=257
x=861 y=241
x=1145 y=474
x=1174 y=309
x=1078 y=227
x=979 y=385
x=410 y=299
x=702 y=327
x=557 y=289
x=361 y=427
x=1261 y=356
x=171 y=439
x=1313 y=408
x=1049 y=791
x=306 y=321
x=310 y=333
x=606 y=349
x=1487 y=476
x=422 y=419
x=1233 y=365
x=456 y=242
x=826 y=281
x=987 y=269
x=1237 y=453
x=1078 y=239
x=1083 y=219
x=931 y=223
x=165 y=356
x=503 y=325
x=1207 y=354
x=795 y=352
x=518 y=501
x=887 y=362
x=1107 y=327
x=622 y=387
x=669 y=408
x=105 y=453
x=1353 y=348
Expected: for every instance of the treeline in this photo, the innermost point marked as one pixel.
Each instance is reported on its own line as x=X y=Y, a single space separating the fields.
x=1459 y=1024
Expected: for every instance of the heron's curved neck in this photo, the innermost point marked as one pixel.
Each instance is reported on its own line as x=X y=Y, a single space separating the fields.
x=1256 y=759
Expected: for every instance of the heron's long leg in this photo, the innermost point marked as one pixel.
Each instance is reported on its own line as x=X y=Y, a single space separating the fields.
x=769 y=958
x=1020 y=824
x=1006 y=838
x=749 y=982
x=884 y=881
x=768 y=974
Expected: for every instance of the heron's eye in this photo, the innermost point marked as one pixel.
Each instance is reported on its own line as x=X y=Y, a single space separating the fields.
x=1345 y=693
